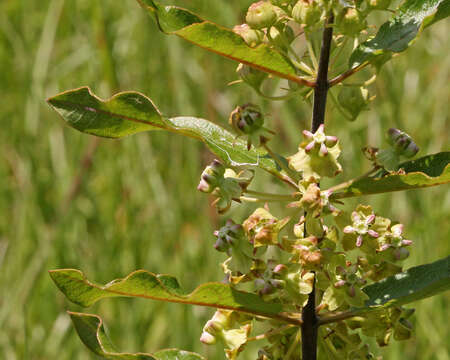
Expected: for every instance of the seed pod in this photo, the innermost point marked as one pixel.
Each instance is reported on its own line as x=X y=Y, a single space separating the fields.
x=261 y=15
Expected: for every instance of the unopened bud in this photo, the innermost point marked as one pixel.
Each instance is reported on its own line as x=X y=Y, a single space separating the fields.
x=251 y=37
x=208 y=339
x=350 y=22
x=261 y=15
x=401 y=254
x=246 y=119
x=307 y=13
x=402 y=143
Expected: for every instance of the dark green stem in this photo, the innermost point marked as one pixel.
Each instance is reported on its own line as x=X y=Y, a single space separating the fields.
x=310 y=320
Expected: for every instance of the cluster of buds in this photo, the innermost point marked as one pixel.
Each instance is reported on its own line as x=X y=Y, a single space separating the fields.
x=346 y=288
x=248 y=120
x=232 y=240
x=229 y=327
x=314 y=201
x=384 y=324
x=401 y=146
x=224 y=183
x=376 y=237
x=317 y=156
x=289 y=283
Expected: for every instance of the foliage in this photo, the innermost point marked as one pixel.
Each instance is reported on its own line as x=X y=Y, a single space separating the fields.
x=335 y=261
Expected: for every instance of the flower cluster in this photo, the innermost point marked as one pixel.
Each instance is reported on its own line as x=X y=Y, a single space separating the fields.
x=284 y=263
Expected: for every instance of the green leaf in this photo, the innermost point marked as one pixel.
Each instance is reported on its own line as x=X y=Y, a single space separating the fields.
x=427 y=171
x=397 y=34
x=220 y=40
x=92 y=334
x=128 y=113
x=415 y=284
x=144 y=284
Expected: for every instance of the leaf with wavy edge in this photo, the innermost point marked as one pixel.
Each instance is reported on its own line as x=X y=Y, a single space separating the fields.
x=415 y=284
x=128 y=113
x=430 y=170
x=144 y=284
x=91 y=332
x=397 y=34
x=220 y=40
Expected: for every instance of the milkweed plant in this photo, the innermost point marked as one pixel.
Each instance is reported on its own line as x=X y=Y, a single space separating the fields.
x=317 y=281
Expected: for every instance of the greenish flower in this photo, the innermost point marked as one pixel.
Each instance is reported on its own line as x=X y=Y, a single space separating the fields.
x=317 y=156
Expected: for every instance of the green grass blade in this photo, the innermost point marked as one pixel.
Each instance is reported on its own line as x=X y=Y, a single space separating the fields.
x=92 y=334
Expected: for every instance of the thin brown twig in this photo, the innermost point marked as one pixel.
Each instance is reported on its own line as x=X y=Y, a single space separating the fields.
x=340 y=78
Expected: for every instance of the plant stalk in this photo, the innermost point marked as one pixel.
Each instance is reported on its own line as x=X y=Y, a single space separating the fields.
x=310 y=324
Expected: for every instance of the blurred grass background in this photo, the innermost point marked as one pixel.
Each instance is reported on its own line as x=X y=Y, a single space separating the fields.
x=110 y=207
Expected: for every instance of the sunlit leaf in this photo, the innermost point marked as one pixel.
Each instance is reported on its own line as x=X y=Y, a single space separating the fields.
x=427 y=171
x=92 y=334
x=144 y=284
x=397 y=34
x=128 y=113
x=220 y=40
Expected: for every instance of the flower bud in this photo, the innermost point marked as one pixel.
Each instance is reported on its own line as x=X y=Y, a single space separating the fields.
x=401 y=254
x=208 y=339
x=246 y=119
x=261 y=15
x=210 y=177
x=307 y=13
x=350 y=22
x=251 y=37
x=402 y=143
x=282 y=37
